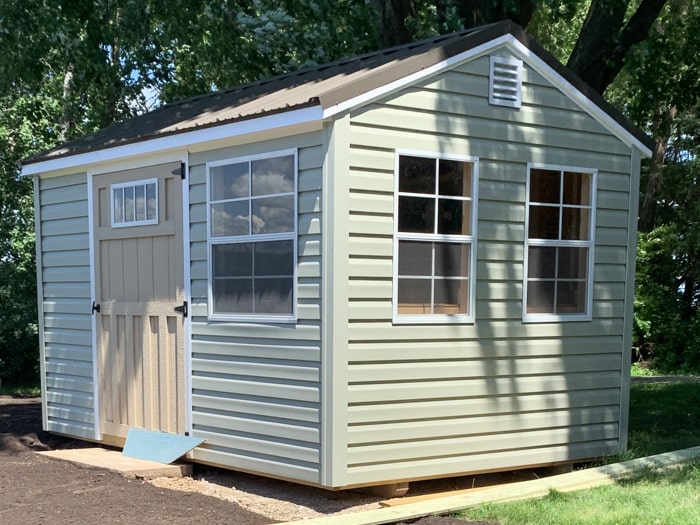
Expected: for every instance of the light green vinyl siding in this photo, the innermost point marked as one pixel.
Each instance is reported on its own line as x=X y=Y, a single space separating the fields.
x=65 y=305
x=255 y=386
x=443 y=399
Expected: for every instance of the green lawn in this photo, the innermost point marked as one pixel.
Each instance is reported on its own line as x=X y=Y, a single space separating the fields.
x=663 y=417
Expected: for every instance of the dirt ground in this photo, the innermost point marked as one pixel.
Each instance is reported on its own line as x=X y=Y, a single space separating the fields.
x=35 y=490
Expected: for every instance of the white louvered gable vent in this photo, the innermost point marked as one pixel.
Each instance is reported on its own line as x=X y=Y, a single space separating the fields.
x=505 y=81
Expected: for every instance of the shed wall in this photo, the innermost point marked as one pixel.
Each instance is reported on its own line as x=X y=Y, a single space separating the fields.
x=256 y=387
x=64 y=291
x=442 y=399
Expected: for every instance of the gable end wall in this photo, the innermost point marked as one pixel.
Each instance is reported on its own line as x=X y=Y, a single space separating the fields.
x=443 y=399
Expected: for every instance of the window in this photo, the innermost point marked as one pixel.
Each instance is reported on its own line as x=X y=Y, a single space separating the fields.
x=134 y=203
x=252 y=237
x=559 y=245
x=434 y=248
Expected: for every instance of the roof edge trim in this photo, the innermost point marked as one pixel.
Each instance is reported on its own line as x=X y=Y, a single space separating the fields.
x=415 y=77
x=177 y=141
x=578 y=97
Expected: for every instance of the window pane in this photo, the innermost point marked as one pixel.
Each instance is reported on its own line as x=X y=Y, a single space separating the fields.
x=416 y=214
x=274 y=175
x=573 y=263
x=545 y=186
x=541 y=262
x=414 y=296
x=273 y=215
x=577 y=188
x=416 y=175
x=230 y=219
x=544 y=222
x=415 y=258
x=232 y=260
x=118 y=204
x=451 y=259
x=571 y=297
x=233 y=296
x=230 y=181
x=455 y=178
x=575 y=224
x=274 y=258
x=451 y=296
x=140 y=198
x=129 y=204
x=540 y=297
x=454 y=217
x=151 y=202
x=273 y=296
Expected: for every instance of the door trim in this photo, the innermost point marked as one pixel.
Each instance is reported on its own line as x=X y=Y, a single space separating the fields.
x=127 y=164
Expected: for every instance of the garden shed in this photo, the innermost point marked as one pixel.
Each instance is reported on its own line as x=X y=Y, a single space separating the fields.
x=413 y=263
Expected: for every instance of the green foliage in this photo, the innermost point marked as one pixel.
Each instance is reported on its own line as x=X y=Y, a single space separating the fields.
x=663 y=417
x=26 y=125
x=667 y=298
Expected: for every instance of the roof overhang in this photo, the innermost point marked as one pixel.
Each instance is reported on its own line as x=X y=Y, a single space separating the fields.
x=187 y=139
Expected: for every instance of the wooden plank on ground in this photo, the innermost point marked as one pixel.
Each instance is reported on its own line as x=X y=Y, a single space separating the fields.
x=571 y=481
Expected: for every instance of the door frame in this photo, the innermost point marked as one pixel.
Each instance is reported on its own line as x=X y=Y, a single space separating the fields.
x=126 y=164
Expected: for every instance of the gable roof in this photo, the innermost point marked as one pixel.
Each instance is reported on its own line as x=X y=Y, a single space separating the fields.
x=329 y=89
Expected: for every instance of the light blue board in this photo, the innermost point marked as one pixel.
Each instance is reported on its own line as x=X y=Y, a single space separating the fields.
x=157 y=446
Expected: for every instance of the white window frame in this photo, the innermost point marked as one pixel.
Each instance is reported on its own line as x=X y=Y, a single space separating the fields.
x=132 y=184
x=590 y=244
x=465 y=239
x=239 y=239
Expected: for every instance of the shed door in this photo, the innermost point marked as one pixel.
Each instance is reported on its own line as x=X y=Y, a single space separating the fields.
x=138 y=284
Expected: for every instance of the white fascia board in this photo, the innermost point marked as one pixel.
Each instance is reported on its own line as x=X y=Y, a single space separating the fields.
x=415 y=77
x=578 y=97
x=527 y=55
x=178 y=140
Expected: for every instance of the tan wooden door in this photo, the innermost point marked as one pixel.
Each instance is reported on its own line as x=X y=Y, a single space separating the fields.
x=139 y=282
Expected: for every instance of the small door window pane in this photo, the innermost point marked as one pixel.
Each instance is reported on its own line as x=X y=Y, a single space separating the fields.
x=135 y=203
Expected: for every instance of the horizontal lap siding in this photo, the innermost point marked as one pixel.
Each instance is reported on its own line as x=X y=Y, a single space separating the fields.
x=65 y=271
x=435 y=400
x=256 y=387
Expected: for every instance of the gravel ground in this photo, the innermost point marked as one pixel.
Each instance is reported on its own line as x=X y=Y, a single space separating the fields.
x=36 y=490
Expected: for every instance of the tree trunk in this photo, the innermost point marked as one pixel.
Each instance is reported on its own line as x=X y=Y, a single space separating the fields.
x=662 y=127
x=392 y=16
x=67 y=123
x=605 y=39
x=479 y=12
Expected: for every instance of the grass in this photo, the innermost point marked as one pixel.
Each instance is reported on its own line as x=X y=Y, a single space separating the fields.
x=663 y=417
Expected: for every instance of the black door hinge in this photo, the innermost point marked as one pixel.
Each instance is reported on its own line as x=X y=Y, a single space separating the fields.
x=182 y=309
x=180 y=171
x=95 y=307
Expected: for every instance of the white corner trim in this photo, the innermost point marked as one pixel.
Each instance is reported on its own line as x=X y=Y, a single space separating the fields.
x=178 y=140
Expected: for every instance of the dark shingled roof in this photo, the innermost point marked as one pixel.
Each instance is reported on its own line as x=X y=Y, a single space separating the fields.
x=325 y=86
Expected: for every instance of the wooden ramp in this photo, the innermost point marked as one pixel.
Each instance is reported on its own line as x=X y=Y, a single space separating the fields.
x=114 y=461
x=444 y=504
